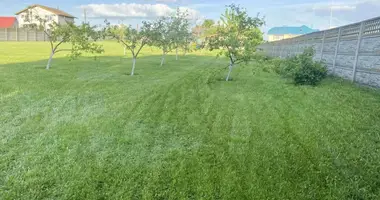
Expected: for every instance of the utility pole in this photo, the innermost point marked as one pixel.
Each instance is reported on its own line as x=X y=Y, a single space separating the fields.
x=331 y=13
x=85 y=15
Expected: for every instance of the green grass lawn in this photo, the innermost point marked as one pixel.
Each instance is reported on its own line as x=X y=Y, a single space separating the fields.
x=87 y=130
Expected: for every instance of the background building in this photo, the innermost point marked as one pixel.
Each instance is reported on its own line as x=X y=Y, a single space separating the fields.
x=8 y=22
x=284 y=32
x=50 y=14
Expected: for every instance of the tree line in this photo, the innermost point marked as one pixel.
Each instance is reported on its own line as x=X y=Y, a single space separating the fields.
x=235 y=36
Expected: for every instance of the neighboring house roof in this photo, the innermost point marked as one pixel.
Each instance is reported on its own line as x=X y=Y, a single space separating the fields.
x=7 y=22
x=300 y=30
x=53 y=10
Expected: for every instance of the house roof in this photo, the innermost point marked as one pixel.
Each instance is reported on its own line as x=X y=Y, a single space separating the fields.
x=53 y=10
x=7 y=22
x=294 y=30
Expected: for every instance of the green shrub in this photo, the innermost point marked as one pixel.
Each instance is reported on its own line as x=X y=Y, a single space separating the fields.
x=303 y=69
x=310 y=74
x=270 y=65
x=288 y=67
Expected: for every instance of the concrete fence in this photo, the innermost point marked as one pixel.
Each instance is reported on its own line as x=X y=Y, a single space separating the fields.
x=21 y=34
x=351 y=52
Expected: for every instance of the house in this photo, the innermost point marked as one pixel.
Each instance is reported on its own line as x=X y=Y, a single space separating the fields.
x=50 y=14
x=8 y=22
x=284 y=32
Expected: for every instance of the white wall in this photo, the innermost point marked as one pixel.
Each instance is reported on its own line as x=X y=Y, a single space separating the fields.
x=37 y=11
x=64 y=20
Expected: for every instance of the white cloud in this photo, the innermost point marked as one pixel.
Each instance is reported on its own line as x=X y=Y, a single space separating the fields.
x=133 y=10
x=317 y=15
x=335 y=7
x=350 y=11
x=167 y=1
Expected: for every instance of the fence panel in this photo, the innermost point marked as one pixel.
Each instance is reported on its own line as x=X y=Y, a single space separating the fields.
x=21 y=34
x=351 y=51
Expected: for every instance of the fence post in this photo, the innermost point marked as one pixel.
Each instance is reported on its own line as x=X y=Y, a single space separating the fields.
x=305 y=45
x=273 y=55
x=16 y=33
x=336 y=49
x=6 y=34
x=36 y=35
x=323 y=44
x=357 y=51
x=298 y=46
x=26 y=35
x=287 y=49
x=294 y=49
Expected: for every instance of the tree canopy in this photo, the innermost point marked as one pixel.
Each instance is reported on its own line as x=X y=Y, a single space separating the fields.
x=170 y=32
x=180 y=28
x=208 y=23
x=237 y=36
x=133 y=39
x=81 y=37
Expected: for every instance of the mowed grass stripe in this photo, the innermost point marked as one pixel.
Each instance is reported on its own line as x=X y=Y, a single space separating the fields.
x=87 y=130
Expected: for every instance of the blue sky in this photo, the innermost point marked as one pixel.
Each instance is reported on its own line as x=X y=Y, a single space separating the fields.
x=313 y=13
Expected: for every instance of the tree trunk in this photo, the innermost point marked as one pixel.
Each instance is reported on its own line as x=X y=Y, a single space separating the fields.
x=133 y=65
x=163 y=59
x=176 y=53
x=229 y=72
x=50 y=59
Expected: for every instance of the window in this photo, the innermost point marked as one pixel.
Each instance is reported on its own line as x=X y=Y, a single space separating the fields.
x=28 y=16
x=48 y=17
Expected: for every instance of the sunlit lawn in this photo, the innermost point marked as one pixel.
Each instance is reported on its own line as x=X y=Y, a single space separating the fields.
x=87 y=130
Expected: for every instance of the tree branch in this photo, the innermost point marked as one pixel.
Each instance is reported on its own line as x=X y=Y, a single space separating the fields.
x=51 y=42
x=47 y=33
x=129 y=47
x=63 y=50
x=51 y=45
x=56 y=47
x=142 y=45
x=122 y=41
x=240 y=61
x=230 y=56
x=231 y=59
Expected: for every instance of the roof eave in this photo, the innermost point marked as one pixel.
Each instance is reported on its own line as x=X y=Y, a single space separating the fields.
x=42 y=7
x=69 y=16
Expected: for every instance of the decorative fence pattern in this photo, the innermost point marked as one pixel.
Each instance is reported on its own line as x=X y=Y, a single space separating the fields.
x=21 y=34
x=351 y=51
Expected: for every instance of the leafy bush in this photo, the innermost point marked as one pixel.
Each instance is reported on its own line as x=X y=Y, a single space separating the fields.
x=310 y=74
x=266 y=63
x=303 y=69
x=289 y=67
